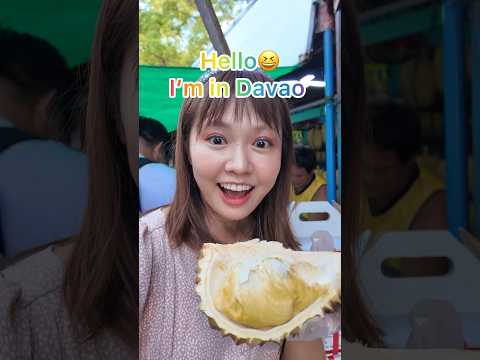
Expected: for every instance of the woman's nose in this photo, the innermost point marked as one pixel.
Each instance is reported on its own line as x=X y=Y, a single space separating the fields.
x=239 y=161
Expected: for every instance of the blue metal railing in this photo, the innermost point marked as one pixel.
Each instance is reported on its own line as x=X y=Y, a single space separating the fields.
x=455 y=122
x=475 y=27
x=328 y=54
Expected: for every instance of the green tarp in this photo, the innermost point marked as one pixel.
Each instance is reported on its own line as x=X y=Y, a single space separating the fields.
x=67 y=25
x=70 y=27
x=312 y=113
x=154 y=99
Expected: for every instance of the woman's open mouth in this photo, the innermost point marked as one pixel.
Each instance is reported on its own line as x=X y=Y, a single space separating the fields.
x=235 y=194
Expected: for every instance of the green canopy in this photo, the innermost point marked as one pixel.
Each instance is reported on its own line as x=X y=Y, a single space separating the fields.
x=67 y=25
x=154 y=100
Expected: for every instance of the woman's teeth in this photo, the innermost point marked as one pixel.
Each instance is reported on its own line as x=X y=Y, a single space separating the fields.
x=236 y=187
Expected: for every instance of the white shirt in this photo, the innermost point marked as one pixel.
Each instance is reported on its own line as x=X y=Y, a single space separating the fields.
x=43 y=193
x=157 y=186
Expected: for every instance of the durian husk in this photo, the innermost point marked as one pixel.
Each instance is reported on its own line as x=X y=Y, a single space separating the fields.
x=214 y=257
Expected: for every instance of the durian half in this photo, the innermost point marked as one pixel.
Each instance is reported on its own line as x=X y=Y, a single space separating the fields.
x=258 y=291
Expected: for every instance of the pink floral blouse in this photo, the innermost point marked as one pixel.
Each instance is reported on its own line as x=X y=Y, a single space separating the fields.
x=171 y=325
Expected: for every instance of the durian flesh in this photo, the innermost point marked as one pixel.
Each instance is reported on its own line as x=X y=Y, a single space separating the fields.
x=258 y=291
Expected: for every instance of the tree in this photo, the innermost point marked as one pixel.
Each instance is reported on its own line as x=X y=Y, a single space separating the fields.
x=172 y=32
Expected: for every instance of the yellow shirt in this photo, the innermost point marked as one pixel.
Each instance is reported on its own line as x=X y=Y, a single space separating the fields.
x=400 y=216
x=310 y=191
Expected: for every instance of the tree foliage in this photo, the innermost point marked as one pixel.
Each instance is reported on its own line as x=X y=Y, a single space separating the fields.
x=172 y=32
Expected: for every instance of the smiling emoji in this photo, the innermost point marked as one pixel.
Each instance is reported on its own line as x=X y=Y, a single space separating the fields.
x=268 y=60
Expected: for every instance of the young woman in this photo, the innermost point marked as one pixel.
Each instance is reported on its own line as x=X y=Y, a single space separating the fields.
x=79 y=299
x=233 y=158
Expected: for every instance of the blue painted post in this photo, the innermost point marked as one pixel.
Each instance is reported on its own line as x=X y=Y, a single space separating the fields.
x=475 y=27
x=329 y=112
x=338 y=47
x=454 y=113
x=339 y=147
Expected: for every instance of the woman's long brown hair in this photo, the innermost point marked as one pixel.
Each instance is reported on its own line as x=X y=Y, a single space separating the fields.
x=101 y=280
x=357 y=323
x=186 y=223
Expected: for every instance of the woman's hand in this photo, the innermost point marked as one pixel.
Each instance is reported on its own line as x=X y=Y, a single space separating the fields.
x=320 y=327
x=304 y=350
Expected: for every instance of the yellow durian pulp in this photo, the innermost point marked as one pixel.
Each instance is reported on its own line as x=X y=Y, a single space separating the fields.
x=258 y=291
x=268 y=294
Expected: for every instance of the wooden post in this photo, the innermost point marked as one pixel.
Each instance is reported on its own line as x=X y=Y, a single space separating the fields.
x=212 y=25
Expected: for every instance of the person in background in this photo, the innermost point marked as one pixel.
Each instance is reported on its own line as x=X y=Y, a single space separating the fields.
x=156 y=179
x=308 y=183
x=31 y=73
x=153 y=142
x=400 y=194
x=37 y=175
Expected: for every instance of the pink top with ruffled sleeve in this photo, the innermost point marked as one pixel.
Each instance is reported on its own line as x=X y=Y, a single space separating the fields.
x=171 y=325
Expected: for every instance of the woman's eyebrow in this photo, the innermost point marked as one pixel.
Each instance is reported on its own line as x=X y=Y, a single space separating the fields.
x=218 y=124
x=262 y=126
x=223 y=125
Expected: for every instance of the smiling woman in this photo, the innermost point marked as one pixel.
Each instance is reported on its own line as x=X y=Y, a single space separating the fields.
x=233 y=159
x=235 y=164
x=240 y=141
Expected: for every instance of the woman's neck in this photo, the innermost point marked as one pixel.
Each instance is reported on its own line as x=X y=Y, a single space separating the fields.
x=230 y=232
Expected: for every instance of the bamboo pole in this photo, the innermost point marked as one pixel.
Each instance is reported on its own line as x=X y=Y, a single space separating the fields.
x=212 y=25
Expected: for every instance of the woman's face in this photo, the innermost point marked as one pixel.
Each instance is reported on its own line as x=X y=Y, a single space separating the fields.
x=235 y=164
x=129 y=108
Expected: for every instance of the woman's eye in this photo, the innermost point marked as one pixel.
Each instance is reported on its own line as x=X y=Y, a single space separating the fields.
x=216 y=140
x=262 y=143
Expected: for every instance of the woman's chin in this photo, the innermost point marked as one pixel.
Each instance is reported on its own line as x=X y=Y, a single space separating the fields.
x=234 y=214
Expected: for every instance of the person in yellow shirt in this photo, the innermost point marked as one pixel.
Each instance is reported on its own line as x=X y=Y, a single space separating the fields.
x=399 y=193
x=307 y=182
